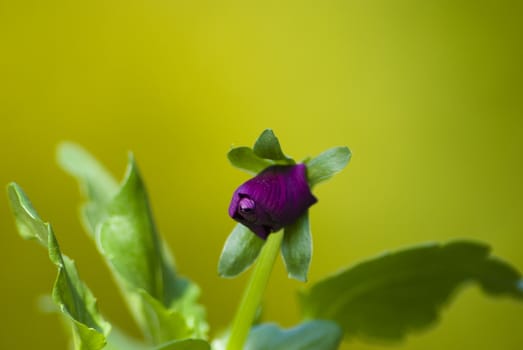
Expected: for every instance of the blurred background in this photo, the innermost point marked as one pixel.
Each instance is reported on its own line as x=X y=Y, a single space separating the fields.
x=427 y=94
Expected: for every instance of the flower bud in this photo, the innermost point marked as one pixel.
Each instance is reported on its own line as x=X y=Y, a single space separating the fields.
x=274 y=198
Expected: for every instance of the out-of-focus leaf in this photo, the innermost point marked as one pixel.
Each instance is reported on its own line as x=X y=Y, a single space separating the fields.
x=297 y=248
x=97 y=184
x=244 y=158
x=267 y=146
x=186 y=344
x=163 y=324
x=327 y=164
x=119 y=340
x=239 y=252
x=312 y=335
x=182 y=319
x=73 y=297
x=387 y=297
x=163 y=304
x=193 y=313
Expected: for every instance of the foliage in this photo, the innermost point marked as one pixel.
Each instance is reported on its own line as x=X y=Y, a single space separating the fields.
x=382 y=298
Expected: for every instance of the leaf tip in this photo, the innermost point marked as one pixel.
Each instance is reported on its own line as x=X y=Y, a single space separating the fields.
x=14 y=195
x=348 y=151
x=18 y=198
x=267 y=131
x=298 y=277
x=65 y=152
x=12 y=188
x=132 y=169
x=345 y=155
x=223 y=274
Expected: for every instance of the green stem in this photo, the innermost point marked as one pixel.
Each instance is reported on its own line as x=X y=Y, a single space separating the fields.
x=253 y=294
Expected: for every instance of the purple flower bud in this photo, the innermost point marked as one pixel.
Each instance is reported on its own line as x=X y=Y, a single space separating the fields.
x=274 y=198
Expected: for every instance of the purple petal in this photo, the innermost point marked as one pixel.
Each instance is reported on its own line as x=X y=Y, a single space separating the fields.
x=275 y=198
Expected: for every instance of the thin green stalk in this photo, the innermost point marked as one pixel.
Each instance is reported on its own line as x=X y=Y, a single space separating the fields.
x=254 y=292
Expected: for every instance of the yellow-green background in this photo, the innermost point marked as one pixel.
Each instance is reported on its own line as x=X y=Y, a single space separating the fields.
x=428 y=95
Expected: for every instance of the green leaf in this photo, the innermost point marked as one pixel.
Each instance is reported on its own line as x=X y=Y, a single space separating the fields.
x=119 y=340
x=239 y=252
x=163 y=304
x=74 y=299
x=186 y=344
x=128 y=237
x=186 y=304
x=163 y=324
x=266 y=152
x=267 y=146
x=312 y=335
x=396 y=293
x=244 y=158
x=97 y=184
x=327 y=164
x=297 y=248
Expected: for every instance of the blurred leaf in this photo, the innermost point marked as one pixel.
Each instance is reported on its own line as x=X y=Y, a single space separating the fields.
x=389 y=296
x=267 y=146
x=193 y=313
x=96 y=182
x=327 y=164
x=72 y=296
x=187 y=344
x=163 y=304
x=119 y=340
x=244 y=158
x=239 y=252
x=163 y=324
x=297 y=248
x=312 y=335
x=169 y=322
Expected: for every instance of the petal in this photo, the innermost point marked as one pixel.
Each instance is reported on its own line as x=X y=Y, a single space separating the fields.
x=282 y=191
x=234 y=204
x=281 y=194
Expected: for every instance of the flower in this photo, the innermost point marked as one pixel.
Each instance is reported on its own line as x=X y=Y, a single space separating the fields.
x=274 y=198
